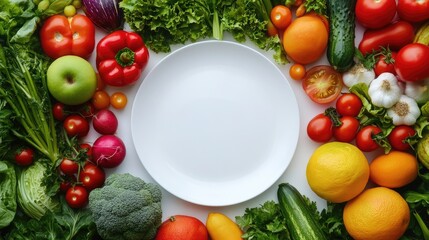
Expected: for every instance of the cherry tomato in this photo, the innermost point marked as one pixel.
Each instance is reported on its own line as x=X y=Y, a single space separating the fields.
x=385 y=63
x=297 y=71
x=92 y=176
x=77 y=197
x=364 y=138
x=118 y=100
x=394 y=36
x=24 y=156
x=375 y=13
x=67 y=182
x=88 y=148
x=76 y=125
x=348 y=129
x=319 y=129
x=281 y=16
x=87 y=110
x=101 y=99
x=322 y=84
x=398 y=136
x=413 y=11
x=61 y=36
x=348 y=104
x=58 y=111
x=69 y=166
x=410 y=62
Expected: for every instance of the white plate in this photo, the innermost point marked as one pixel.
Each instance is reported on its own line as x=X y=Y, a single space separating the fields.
x=215 y=123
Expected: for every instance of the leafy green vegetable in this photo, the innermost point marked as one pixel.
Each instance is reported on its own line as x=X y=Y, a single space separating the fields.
x=32 y=193
x=248 y=19
x=163 y=23
x=263 y=223
x=23 y=87
x=166 y=22
x=318 y=6
x=332 y=221
x=65 y=224
x=7 y=194
x=6 y=124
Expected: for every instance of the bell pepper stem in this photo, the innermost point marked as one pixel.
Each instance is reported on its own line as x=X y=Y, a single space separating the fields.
x=125 y=57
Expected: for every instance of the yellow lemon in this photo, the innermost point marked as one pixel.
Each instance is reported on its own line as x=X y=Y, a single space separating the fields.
x=221 y=227
x=377 y=213
x=337 y=171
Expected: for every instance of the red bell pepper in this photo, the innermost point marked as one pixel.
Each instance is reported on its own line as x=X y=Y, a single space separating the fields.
x=121 y=58
x=61 y=36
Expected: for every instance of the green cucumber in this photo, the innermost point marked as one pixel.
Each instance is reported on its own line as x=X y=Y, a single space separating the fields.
x=341 y=45
x=300 y=221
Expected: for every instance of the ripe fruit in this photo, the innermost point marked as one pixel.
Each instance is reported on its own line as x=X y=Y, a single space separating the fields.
x=378 y=213
x=299 y=39
x=221 y=227
x=393 y=170
x=71 y=80
x=182 y=227
x=337 y=171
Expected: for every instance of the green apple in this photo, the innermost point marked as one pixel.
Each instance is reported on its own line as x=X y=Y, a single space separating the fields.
x=71 y=80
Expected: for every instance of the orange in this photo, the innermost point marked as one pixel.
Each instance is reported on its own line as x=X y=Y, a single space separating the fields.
x=378 y=213
x=337 y=171
x=393 y=170
x=221 y=227
x=305 y=39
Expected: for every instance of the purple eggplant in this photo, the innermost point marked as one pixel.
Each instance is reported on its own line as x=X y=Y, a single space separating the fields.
x=105 y=14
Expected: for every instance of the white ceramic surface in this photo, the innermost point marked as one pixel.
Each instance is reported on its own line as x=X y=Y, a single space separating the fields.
x=215 y=123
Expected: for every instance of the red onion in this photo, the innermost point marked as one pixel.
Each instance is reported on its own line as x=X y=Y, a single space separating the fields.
x=105 y=14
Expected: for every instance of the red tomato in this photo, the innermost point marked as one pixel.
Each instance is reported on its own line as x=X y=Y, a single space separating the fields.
x=281 y=16
x=87 y=110
x=364 y=138
x=92 y=176
x=67 y=182
x=398 y=136
x=411 y=61
x=348 y=104
x=319 y=129
x=61 y=36
x=348 y=129
x=69 y=166
x=58 y=111
x=88 y=148
x=375 y=13
x=24 y=156
x=77 y=197
x=322 y=84
x=101 y=100
x=413 y=10
x=385 y=64
x=76 y=125
x=394 y=36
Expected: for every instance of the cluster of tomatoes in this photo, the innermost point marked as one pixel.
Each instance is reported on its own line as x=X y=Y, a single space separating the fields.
x=341 y=123
x=79 y=173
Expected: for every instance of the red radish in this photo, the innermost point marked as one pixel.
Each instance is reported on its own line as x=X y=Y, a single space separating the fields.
x=108 y=151
x=105 y=122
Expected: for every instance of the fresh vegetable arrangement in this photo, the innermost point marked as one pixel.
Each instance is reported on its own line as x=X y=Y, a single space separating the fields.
x=373 y=133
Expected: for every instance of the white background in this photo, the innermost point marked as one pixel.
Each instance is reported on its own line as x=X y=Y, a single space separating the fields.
x=294 y=174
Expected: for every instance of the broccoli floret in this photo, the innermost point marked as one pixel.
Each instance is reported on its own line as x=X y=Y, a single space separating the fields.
x=126 y=208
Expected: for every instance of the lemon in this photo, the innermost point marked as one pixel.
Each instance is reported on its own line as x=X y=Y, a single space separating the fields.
x=377 y=213
x=337 y=171
x=221 y=227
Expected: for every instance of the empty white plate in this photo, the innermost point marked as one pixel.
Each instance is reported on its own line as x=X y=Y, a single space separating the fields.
x=215 y=123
